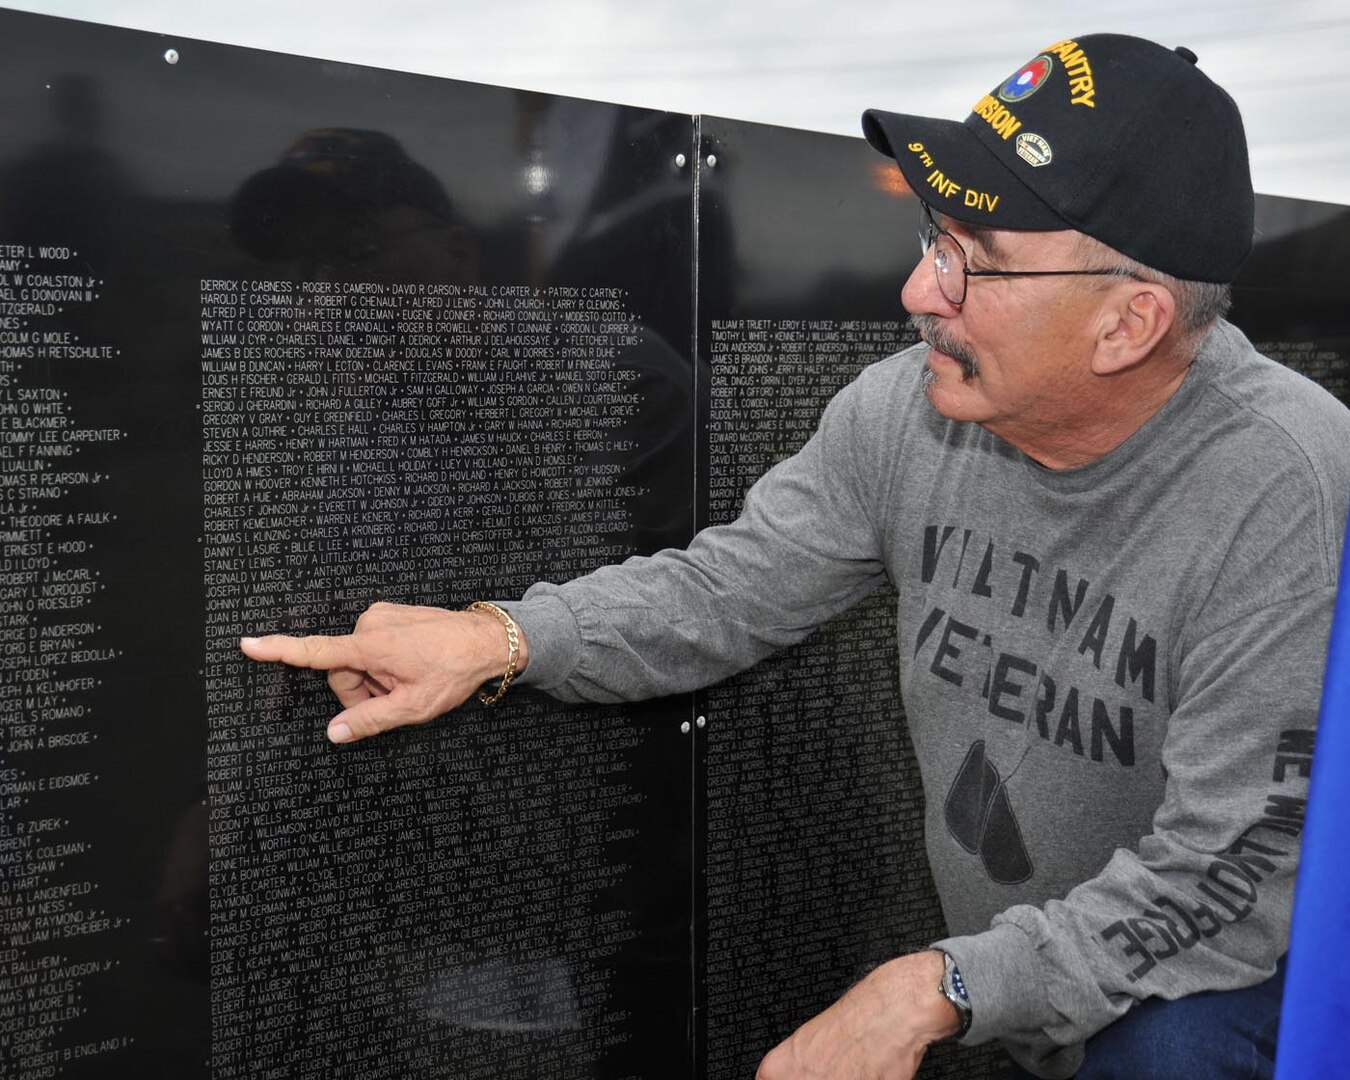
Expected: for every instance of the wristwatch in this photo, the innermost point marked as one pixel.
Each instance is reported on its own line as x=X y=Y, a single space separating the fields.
x=954 y=990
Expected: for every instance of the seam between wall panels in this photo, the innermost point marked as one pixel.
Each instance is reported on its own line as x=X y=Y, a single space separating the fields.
x=696 y=171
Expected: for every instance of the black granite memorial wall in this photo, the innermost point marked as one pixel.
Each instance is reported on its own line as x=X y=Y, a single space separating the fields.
x=280 y=337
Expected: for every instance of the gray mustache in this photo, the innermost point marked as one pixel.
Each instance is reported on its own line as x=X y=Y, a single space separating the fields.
x=934 y=333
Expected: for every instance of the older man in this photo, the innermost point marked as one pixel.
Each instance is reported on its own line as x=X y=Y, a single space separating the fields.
x=1114 y=530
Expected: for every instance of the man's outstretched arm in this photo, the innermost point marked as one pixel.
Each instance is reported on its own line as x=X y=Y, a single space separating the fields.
x=400 y=665
x=805 y=548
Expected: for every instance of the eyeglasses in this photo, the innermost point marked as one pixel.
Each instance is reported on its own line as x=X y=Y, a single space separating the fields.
x=950 y=257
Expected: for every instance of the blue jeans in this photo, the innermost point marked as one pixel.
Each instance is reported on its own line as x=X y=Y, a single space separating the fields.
x=1216 y=1035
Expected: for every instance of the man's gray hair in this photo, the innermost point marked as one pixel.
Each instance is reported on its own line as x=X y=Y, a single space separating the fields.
x=1199 y=303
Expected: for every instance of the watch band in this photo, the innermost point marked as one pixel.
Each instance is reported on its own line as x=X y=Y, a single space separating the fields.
x=954 y=990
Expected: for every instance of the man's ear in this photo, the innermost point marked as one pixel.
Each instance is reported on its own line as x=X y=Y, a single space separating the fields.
x=1134 y=320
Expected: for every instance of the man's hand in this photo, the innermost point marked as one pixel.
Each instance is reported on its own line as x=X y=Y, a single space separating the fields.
x=401 y=665
x=877 y=1031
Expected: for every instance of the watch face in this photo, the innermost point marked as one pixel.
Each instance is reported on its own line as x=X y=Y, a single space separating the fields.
x=956 y=994
x=954 y=990
x=953 y=985
x=959 y=986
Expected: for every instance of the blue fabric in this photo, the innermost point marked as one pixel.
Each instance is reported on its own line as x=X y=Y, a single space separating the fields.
x=1218 y=1035
x=1312 y=1038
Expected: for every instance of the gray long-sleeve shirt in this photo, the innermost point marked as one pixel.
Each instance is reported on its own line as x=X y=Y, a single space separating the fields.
x=1111 y=673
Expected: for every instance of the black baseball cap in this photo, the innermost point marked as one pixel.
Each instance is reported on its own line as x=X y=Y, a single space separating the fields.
x=1114 y=136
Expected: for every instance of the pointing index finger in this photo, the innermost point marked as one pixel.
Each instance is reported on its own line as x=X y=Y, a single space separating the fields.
x=314 y=651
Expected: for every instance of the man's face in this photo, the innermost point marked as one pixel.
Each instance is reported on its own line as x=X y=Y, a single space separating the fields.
x=1015 y=355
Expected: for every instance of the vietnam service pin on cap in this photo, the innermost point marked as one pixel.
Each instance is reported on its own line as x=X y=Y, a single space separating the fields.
x=1113 y=136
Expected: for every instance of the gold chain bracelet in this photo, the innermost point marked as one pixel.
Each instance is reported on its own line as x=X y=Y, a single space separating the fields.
x=513 y=649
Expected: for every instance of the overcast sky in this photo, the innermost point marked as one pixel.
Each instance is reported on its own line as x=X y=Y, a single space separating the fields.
x=808 y=63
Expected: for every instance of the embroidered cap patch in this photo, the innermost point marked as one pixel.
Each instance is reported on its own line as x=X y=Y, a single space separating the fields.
x=1027 y=79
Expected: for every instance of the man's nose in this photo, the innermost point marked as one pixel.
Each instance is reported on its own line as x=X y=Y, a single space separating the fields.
x=921 y=295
